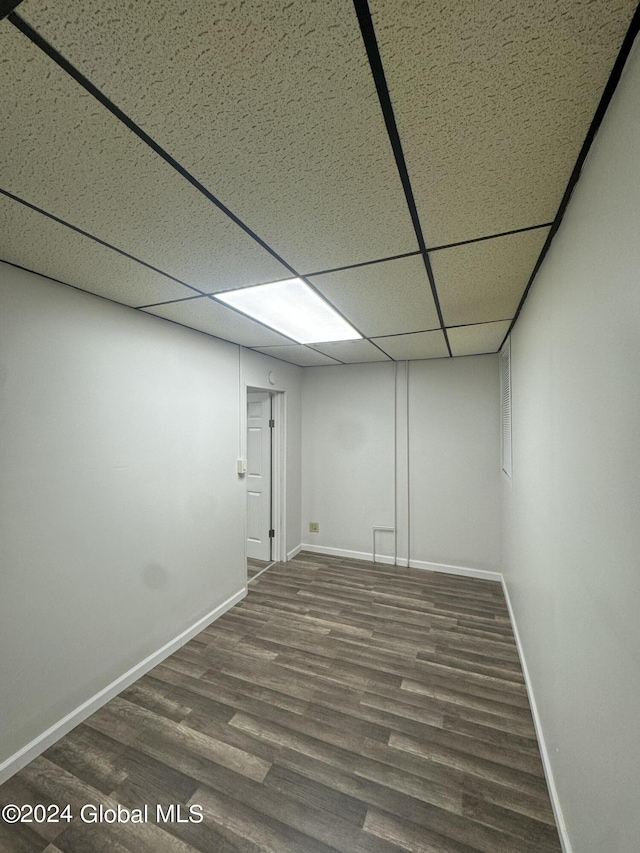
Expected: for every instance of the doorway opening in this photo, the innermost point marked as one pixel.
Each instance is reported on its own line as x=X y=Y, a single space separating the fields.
x=263 y=481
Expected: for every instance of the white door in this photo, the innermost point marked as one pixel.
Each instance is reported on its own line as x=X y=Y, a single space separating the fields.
x=258 y=477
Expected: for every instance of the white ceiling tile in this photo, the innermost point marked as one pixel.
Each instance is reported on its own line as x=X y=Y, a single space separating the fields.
x=208 y=316
x=297 y=354
x=352 y=352
x=414 y=346
x=65 y=153
x=493 y=101
x=34 y=241
x=383 y=298
x=271 y=105
x=483 y=282
x=472 y=340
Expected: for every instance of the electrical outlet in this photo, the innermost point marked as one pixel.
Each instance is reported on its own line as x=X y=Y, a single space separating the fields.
x=314 y=527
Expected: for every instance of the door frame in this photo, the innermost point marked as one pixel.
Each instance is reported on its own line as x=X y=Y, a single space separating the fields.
x=278 y=469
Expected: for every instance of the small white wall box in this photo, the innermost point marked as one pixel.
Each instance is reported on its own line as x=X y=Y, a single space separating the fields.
x=242 y=466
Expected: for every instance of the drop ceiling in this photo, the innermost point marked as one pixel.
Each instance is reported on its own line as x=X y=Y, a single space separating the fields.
x=409 y=160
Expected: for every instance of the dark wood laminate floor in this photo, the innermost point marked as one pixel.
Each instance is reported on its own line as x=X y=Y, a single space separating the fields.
x=254 y=567
x=341 y=706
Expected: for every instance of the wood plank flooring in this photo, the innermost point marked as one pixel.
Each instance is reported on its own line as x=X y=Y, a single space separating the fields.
x=341 y=706
x=254 y=567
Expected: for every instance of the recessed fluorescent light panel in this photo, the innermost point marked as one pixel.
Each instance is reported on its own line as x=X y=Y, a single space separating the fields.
x=292 y=308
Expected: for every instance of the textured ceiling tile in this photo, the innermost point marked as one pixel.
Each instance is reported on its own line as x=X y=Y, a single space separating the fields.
x=384 y=298
x=63 y=152
x=352 y=352
x=208 y=316
x=472 y=340
x=483 y=282
x=297 y=354
x=272 y=105
x=31 y=240
x=493 y=101
x=414 y=346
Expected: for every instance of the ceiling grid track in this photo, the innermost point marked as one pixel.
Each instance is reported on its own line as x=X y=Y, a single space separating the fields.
x=379 y=279
x=198 y=293
x=430 y=249
x=488 y=237
x=114 y=302
x=104 y=243
x=612 y=82
x=7 y=7
x=86 y=84
x=375 y=61
x=106 y=102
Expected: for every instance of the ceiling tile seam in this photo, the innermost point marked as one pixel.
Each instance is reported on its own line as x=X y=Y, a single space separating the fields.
x=56 y=280
x=72 y=286
x=601 y=109
x=171 y=301
x=133 y=307
x=429 y=249
x=93 y=90
x=369 y=338
x=98 y=240
x=489 y=237
x=377 y=69
x=313 y=349
x=210 y=293
x=260 y=350
x=284 y=361
x=7 y=6
x=40 y=42
x=380 y=348
x=184 y=326
x=199 y=293
x=366 y=263
x=404 y=334
x=482 y=323
x=372 y=338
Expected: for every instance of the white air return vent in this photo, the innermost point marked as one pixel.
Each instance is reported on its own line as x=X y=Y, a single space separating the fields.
x=505 y=405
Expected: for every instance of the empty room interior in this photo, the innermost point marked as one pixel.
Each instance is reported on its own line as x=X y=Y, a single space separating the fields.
x=319 y=426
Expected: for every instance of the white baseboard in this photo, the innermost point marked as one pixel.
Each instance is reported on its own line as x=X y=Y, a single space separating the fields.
x=382 y=558
x=465 y=571
x=295 y=552
x=402 y=561
x=544 y=753
x=19 y=759
x=343 y=552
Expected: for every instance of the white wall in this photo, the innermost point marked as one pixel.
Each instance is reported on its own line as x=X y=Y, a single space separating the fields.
x=347 y=455
x=572 y=512
x=122 y=513
x=454 y=461
x=348 y=459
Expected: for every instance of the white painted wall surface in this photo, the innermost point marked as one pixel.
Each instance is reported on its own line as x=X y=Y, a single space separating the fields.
x=454 y=462
x=347 y=456
x=121 y=511
x=572 y=512
x=348 y=459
